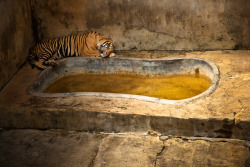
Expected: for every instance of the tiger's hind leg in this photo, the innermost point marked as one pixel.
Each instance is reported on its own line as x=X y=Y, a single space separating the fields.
x=40 y=65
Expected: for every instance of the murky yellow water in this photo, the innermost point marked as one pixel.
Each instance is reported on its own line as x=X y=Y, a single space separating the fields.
x=165 y=87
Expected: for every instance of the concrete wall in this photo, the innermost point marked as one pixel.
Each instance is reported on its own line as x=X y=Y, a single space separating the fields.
x=134 y=24
x=150 y=24
x=15 y=37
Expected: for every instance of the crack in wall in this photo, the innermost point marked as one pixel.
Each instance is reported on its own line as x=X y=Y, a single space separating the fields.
x=245 y=143
x=92 y=162
x=159 y=153
x=237 y=113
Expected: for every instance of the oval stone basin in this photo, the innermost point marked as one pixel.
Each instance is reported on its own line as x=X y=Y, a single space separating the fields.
x=127 y=78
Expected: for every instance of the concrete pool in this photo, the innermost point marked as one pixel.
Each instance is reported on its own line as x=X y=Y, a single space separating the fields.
x=127 y=66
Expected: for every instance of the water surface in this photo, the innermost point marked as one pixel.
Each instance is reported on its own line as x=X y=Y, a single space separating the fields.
x=166 y=87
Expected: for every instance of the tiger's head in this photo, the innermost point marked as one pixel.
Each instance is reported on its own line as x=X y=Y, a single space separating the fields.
x=106 y=47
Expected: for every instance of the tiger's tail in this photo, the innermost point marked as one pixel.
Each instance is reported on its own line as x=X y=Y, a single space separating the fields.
x=31 y=58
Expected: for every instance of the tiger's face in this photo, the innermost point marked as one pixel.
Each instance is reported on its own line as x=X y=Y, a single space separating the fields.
x=107 y=49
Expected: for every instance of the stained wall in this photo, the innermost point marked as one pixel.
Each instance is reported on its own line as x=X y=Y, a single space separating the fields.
x=134 y=25
x=15 y=37
x=150 y=24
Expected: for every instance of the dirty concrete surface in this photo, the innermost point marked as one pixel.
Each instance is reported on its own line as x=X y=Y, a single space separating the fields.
x=69 y=148
x=149 y=24
x=228 y=105
x=15 y=37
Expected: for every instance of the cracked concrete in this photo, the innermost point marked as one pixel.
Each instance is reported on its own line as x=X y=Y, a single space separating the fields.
x=69 y=148
x=201 y=153
x=158 y=155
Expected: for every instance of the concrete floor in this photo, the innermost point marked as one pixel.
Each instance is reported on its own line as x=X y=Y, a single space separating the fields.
x=223 y=114
x=68 y=148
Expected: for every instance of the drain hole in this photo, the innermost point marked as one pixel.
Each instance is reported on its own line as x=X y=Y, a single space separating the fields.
x=197 y=71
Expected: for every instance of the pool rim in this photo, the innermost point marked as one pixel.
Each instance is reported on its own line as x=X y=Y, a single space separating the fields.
x=215 y=81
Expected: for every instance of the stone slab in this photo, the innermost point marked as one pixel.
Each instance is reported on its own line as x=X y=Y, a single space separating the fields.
x=225 y=113
x=48 y=148
x=178 y=152
x=24 y=148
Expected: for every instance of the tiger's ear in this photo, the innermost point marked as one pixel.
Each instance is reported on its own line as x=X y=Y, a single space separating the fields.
x=110 y=37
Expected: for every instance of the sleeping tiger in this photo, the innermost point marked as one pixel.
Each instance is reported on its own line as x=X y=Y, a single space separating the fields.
x=88 y=44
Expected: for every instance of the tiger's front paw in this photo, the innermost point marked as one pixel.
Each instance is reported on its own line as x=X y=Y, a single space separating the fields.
x=52 y=63
x=112 y=55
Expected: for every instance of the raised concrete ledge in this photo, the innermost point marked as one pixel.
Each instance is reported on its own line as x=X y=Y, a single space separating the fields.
x=82 y=120
x=224 y=113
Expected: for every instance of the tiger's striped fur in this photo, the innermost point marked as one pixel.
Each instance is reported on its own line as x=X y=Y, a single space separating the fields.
x=88 y=44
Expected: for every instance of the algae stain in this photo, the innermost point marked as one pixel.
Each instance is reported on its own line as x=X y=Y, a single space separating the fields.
x=166 y=87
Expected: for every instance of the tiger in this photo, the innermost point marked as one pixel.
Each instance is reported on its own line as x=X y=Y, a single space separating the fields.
x=88 y=44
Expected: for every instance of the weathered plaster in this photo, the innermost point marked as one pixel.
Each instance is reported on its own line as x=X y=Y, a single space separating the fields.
x=15 y=37
x=149 y=24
